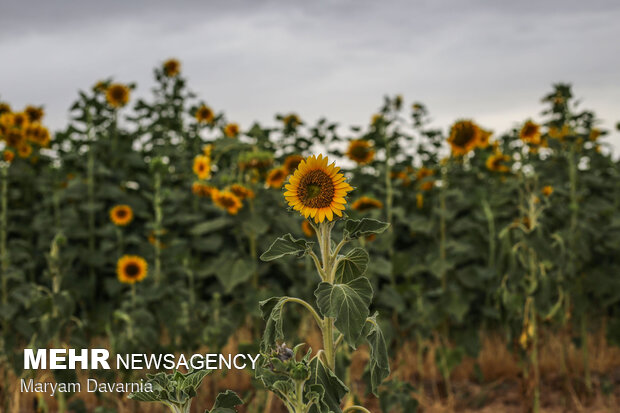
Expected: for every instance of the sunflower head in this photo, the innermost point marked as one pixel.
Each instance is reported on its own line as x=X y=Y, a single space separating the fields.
x=291 y=121
x=121 y=215
x=231 y=130
x=117 y=95
x=14 y=137
x=172 y=67
x=242 y=192
x=227 y=201
x=34 y=113
x=594 y=134
x=4 y=108
x=24 y=150
x=202 y=166
x=21 y=120
x=204 y=114
x=317 y=189
x=276 y=177
x=495 y=162
x=547 y=190
x=366 y=203
x=8 y=156
x=464 y=136
x=131 y=269
x=203 y=190
x=530 y=133
x=307 y=229
x=360 y=151
x=485 y=138
x=292 y=162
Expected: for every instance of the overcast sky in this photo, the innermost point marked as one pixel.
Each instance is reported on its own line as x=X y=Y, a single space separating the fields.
x=478 y=59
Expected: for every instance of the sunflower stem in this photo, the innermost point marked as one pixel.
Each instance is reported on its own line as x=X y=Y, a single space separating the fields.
x=327 y=327
x=158 y=225
x=90 y=181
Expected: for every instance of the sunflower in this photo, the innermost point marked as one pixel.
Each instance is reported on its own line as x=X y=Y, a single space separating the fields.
x=117 y=95
x=100 y=87
x=4 y=108
x=376 y=118
x=360 y=151
x=547 y=190
x=207 y=150
x=8 y=156
x=202 y=166
x=24 y=150
x=242 y=192
x=227 y=201
x=38 y=134
x=317 y=190
x=276 y=177
x=7 y=119
x=594 y=134
x=485 y=138
x=464 y=136
x=530 y=133
x=204 y=114
x=366 y=203
x=559 y=133
x=172 y=67
x=292 y=162
x=291 y=120
x=231 y=130
x=307 y=229
x=495 y=162
x=20 y=120
x=131 y=269
x=34 y=113
x=14 y=137
x=121 y=215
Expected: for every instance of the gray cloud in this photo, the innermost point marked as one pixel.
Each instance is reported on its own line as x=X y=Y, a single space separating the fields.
x=488 y=60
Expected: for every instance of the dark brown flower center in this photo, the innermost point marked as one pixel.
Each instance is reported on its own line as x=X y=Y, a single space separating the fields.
x=465 y=133
x=118 y=93
x=121 y=213
x=227 y=202
x=132 y=270
x=316 y=189
x=359 y=151
x=530 y=130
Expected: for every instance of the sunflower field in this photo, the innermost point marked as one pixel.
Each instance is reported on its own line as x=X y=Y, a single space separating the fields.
x=441 y=270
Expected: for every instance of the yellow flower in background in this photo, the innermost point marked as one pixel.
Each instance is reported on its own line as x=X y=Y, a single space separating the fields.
x=594 y=134
x=464 y=136
x=366 y=203
x=276 y=177
x=8 y=156
x=547 y=190
x=117 y=95
x=204 y=114
x=231 y=130
x=376 y=118
x=20 y=120
x=172 y=67
x=485 y=138
x=121 y=215
x=559 y=133
x=292 y=162
x=100 y=87
x=307 y=229
x=227 y=201
x=14 y=137
x=242 y=192
x=34 y=113
x=203 y=190
x=24 y=150
x=207 y=150
x=37 y=133
x=530 y=133
x=495 y=162
x=419 y=200
x=202 y=166
x=5 y=108
x=317 y=189
x=7 y=120
x=131 y=269
x=360 y=151
x=291 y=120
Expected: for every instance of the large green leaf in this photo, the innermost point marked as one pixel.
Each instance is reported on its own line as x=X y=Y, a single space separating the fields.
x=272 y=312
x=352 y=265
x=354 y=228
x=210 y=226
x=286 y=245
x=323 y=382
x=348 y=304
x=226 y=403
x=379 y=364
x=232 y=272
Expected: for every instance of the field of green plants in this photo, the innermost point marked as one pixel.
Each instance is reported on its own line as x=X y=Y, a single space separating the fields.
x=160 y=225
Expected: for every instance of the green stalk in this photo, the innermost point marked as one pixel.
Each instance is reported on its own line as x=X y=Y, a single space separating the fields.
x=157 y=201
x=488 y=213
x=4 y=255
x=90 y=182
x=442 y=227
x=324 y=235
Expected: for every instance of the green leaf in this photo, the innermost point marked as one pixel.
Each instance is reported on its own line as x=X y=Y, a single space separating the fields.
x=348 y=303
x=352 y=265
x=210 y=226
x=379 y=360
x=232 y=272
x=329 y=387
x=286 y=245
x=226 y=402
x=354 y=228
x=193 y=379
x=272 y=312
